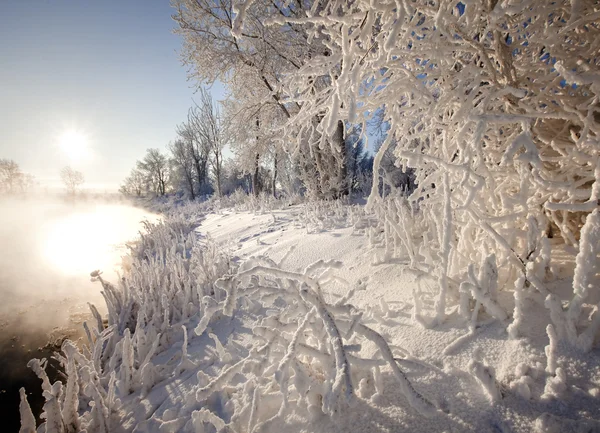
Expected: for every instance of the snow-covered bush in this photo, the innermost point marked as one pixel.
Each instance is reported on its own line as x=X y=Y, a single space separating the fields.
x=173 y=205
x=168 y=278
x=242 y=201
x=320 y=215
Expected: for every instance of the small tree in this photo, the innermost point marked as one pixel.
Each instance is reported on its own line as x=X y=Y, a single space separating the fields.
x=156 y=171
x=72 y=179
x=133 y=184
x=10 y=176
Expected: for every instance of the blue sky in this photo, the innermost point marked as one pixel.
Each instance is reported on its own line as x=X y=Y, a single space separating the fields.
x=107 y=68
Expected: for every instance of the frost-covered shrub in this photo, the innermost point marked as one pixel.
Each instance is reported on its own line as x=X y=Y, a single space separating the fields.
x=241 y=201
x=168 y=278
x=173 y=205
x=307 y=356
x=323 y=215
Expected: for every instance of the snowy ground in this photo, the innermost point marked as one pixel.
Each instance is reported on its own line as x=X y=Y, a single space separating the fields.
x=232 y=375
x=443 y=372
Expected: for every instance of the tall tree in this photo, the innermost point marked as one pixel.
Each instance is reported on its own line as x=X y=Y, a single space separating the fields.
x=254 y=128
x=198 y=149
x=183 y=160
x=211 y=133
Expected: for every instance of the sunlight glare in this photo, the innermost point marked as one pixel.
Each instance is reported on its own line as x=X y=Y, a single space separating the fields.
x=85 y=241
x=74 y=145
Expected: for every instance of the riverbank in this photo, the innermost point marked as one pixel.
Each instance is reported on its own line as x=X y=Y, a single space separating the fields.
x=298 y=320
x=19 y=343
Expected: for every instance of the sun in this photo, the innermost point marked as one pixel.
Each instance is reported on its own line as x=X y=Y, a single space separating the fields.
x=74 y=144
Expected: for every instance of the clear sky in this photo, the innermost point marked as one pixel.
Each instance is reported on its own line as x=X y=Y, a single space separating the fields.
x=108 y=69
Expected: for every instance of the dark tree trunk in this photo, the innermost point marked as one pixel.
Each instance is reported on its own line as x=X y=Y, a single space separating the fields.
x=199 y=174
x=255 y=185
x=200 y=166
x=355 y=161
x=218 y=175
x=274 y=176
x=339 y=143
x=191 y=186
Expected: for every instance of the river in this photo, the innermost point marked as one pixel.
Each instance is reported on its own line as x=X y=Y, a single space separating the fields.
x=47 y=250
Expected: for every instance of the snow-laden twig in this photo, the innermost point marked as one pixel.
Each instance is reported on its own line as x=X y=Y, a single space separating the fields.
x=551 y=349
x=444 y=254
x=282 y=373
x=206 y=416
x=416 y=400
x=186 y=363
x=485 y=375
x=303 y=302
x=518 y=313
x=27 y=418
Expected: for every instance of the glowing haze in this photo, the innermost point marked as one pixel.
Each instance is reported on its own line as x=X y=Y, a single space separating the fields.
x=90 y=84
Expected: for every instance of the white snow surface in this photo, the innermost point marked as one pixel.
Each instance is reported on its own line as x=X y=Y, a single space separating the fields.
x=456 y=376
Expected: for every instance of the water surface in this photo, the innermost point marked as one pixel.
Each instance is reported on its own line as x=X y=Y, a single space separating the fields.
x=47 y=250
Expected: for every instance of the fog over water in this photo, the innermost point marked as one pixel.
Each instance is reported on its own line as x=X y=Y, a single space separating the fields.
x=47 y=250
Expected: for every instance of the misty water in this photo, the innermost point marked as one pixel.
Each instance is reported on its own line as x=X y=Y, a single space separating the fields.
x=47 y=250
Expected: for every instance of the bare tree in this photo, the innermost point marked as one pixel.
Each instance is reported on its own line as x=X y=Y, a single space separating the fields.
x=184 y=162
x=10 y=176
x=156 y=172
x=72 y=179
x=133 y=184
x=196 y=147
x=209 y=125
x=27 y=182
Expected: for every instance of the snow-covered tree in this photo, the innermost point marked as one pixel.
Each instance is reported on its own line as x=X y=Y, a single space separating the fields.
x=359 y=163
x=257 y=56
x=253 y=121
x=133 y=184
x=10 y=176
x=184 y=165
x=234 y=178
x=156 y=171
x=209 y=125
x=494 y=105
x=197 y=148
x=13 y=179
x=72 y=179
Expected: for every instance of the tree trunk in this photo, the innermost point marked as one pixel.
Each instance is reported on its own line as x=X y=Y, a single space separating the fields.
x=321 y=173
x=255 y=186
x=339 y=144
x=199 y=174
x=218 y=175
x=162 y=186
x=191 y=185
x=274 y=176
x=354 y=173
